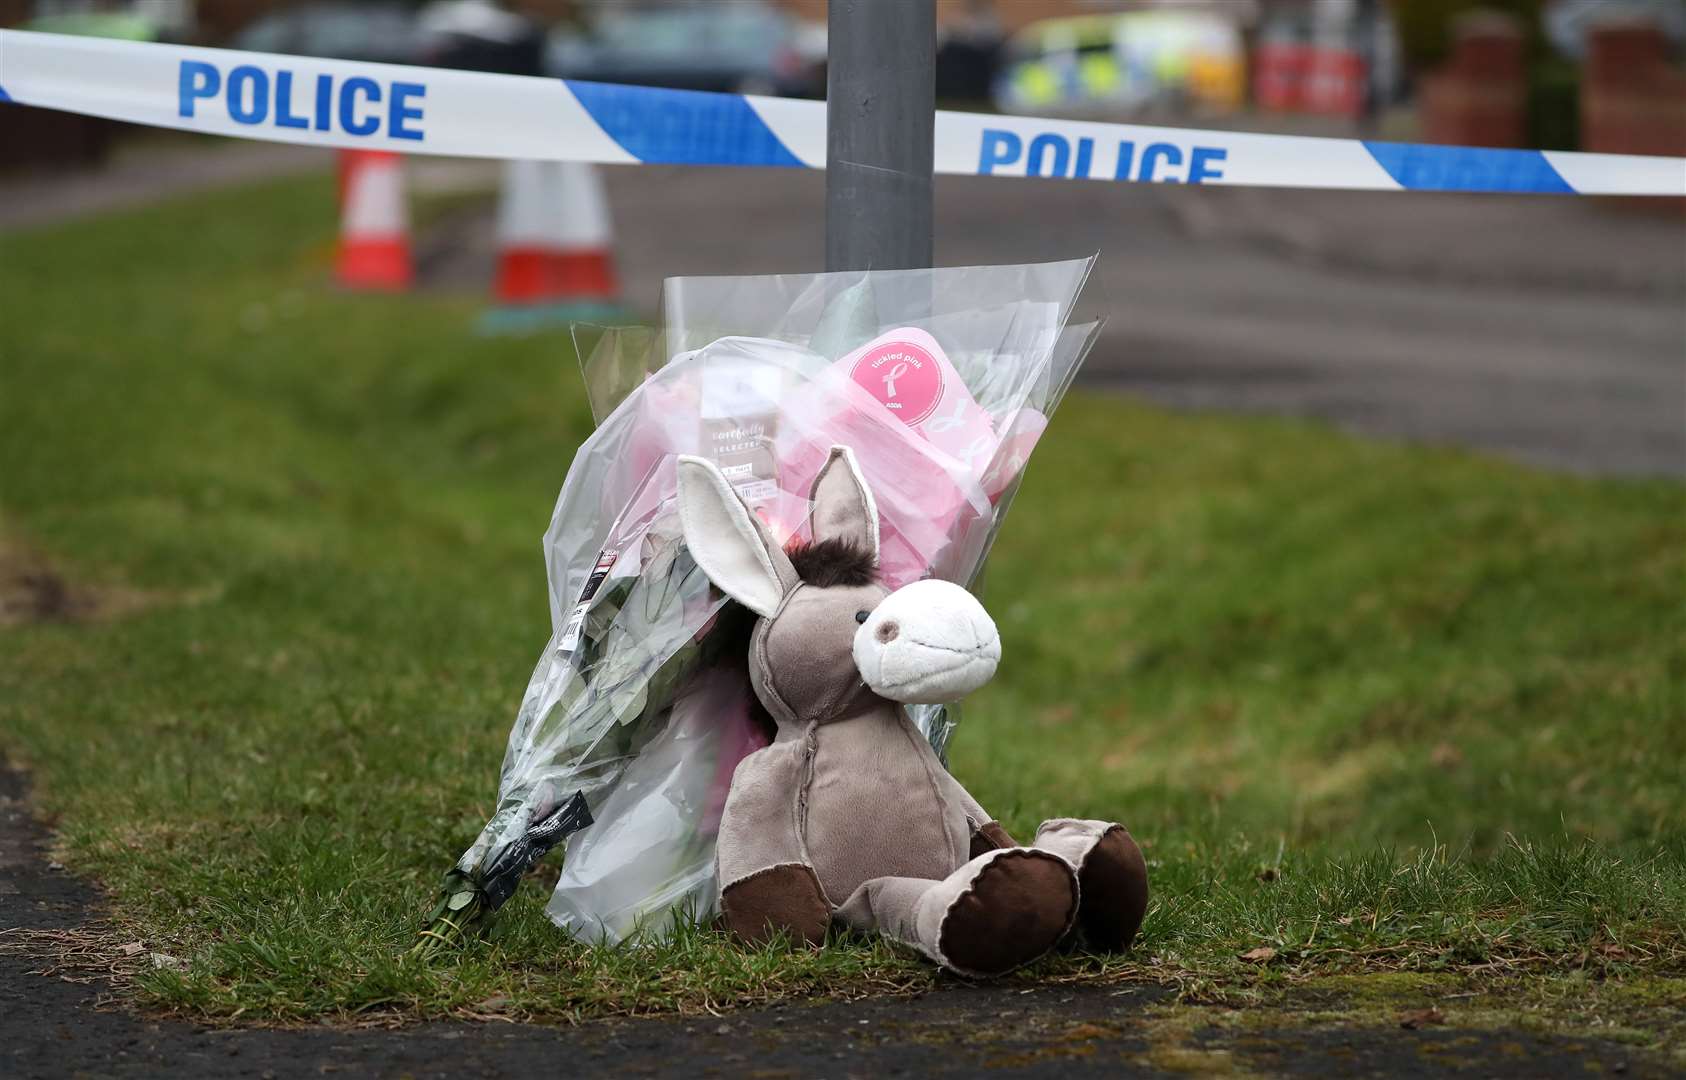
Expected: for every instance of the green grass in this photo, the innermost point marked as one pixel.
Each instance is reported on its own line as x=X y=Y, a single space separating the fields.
x=1372 y=707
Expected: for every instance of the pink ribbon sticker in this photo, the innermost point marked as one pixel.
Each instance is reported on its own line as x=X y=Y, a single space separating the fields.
x=907 y=372
x=903 y=376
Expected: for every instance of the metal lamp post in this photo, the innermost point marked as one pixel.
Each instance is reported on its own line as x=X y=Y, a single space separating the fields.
x=880 y=115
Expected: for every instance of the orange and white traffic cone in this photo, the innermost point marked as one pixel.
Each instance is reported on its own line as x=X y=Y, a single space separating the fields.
x=374 y=222
x=554 y=239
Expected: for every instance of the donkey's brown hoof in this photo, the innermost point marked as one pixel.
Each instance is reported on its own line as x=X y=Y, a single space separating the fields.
x=784 y=898
x=1114 y=881
x=1016 y=909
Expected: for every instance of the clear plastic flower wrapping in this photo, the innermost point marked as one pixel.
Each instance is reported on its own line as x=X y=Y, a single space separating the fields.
x=941 y=380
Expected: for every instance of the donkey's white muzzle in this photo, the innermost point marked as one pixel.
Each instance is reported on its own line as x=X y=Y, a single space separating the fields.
x=927 y=643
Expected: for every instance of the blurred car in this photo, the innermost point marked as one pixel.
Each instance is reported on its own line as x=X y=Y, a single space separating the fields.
x=122 y=25
x=1137 y=61
x=968 y=56
x=478 y=35
x=382 y=32
x=472 y=35
x=738 y=47
x=801 y=62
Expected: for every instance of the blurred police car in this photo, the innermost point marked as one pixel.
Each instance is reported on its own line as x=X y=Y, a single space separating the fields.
x=1165 y=61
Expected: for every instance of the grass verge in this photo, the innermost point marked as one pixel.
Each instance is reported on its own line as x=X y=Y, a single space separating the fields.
x=272 y=589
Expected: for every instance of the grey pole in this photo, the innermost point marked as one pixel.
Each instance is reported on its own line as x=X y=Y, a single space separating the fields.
x=880 y=114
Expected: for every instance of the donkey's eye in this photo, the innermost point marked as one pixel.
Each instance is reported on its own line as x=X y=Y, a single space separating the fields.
x=862 y=616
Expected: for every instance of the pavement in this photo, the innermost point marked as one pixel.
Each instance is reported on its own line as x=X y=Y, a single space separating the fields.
x=145 y=171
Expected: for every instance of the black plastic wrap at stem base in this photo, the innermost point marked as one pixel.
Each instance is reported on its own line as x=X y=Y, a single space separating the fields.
x=505 y=873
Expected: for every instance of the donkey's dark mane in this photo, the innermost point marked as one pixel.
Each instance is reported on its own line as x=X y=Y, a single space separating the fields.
x=833 y=562
x=822 y=565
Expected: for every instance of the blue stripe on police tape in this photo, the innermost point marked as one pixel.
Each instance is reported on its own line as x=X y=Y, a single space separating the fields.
x=682 y=127
x=1421 y=167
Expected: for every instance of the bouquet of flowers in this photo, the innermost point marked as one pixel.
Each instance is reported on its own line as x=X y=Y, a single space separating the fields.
x=640 y=706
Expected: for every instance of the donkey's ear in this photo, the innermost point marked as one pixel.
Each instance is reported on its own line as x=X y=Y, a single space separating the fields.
x=843 y=505
x=732 y=547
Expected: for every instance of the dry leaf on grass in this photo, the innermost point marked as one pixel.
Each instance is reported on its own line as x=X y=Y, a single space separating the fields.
x=1418 y=1018
x=1261 y=955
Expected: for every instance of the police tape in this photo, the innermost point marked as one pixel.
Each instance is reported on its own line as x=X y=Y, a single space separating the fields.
x=419 y=110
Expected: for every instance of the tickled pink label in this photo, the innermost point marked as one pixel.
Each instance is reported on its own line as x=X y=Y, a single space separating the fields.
x=907 y=372
x=903 y=375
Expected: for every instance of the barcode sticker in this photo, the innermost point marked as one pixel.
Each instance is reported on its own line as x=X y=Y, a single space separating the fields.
x=572 y=633
x=571 y=636
x=755 y=492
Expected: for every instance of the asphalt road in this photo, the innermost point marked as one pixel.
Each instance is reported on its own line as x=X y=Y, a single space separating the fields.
x=1550 y=329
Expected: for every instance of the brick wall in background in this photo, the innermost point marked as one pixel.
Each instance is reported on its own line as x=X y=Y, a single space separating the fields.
x=1633 y=100
x=1479 y=96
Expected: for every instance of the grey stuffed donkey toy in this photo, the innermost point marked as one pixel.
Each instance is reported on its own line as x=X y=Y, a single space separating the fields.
x=848 y=816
